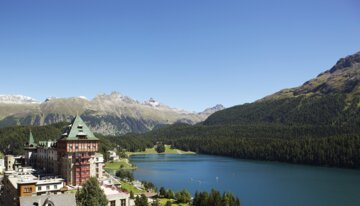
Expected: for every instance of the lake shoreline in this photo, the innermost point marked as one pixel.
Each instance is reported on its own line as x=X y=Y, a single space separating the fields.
x=254 y=182
x=168 y=150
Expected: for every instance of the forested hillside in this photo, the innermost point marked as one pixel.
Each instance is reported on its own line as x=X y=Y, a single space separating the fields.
x=332 y=98
x=12 y=139
x=315 y=145
x=317 y=123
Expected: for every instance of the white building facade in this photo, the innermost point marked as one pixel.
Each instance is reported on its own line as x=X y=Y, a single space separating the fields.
x=96 y=165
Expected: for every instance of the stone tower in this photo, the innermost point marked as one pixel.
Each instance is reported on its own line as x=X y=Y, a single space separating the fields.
x=30 y=149
x=74 y=149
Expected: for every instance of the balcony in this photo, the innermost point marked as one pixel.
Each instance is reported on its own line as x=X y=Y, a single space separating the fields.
x=81 y=163
x=83 y=157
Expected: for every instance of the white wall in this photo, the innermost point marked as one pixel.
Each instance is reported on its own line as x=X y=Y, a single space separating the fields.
x=2 y=165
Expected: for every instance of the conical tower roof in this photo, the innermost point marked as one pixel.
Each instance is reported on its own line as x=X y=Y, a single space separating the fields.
x=30 y=143
x=78 y=130
x=31 y=138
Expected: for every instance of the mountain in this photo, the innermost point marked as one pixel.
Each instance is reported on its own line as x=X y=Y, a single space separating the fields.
x=209 y=111
x=109 y=114
x=331 y=98
x=343 y=77
x=316 y=123
x=17 y=99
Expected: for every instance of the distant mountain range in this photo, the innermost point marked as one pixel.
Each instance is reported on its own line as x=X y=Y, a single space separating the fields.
x=109 y=114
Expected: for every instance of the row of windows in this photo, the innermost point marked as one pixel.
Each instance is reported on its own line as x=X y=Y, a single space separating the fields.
x=122 y=202
x=82 y=179
x=82 y=146
x=82 y=173
x=47 y=187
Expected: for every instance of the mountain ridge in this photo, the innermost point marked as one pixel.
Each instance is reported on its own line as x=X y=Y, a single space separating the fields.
x=344 y=77
x=334 y=93
x=110 y=114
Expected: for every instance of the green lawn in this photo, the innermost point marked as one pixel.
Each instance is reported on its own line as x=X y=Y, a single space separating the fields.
x=119 y=164
x=164 y=200
x=168 y=150
x=129 y=187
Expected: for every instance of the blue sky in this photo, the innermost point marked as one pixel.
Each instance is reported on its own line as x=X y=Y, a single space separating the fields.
x=187 y=54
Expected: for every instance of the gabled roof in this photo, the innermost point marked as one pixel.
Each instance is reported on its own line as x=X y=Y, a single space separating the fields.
x=78 y=130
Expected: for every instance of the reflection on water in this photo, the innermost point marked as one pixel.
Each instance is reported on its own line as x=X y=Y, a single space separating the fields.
x=254 y=182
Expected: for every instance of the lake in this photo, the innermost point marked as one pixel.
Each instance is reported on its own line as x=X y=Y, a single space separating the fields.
x=256 y=183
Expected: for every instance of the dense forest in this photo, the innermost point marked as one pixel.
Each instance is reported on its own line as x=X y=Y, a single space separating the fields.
x=317 y=130
x=328 y=146
x=12 y=139
x=296 y=130
x=317 y=123
x=317 y=145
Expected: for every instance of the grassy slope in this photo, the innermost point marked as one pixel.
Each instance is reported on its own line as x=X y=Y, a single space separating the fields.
x=168 y=150
x=164 y=200
x=129 y=187
x=121 y=164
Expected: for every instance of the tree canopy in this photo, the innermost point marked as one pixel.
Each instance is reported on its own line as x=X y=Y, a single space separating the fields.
x=91 y=194
x=141 y=200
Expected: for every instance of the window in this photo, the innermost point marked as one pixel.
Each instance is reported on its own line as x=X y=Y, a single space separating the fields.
x=112 y=203
x=123 y=202
x=28 y=190
x=48 y=187
x=39 y=188
x=55 y=186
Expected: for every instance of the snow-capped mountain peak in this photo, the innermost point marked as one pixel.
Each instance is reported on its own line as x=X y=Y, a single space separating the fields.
x=152 y=102
x=82 y=97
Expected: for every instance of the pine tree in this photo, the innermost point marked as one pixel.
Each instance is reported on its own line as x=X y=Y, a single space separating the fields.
x=162 y=192
x=91 y=194
x=170 y=194
x=155 y=203
x=141 y=200
x=215 y=198
x=131 y=195
x=160 y=147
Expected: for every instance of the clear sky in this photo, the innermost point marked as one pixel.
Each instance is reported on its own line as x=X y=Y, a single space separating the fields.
x=187 y=54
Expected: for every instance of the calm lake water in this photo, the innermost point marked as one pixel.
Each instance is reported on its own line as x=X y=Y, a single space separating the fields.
x=256 y=183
